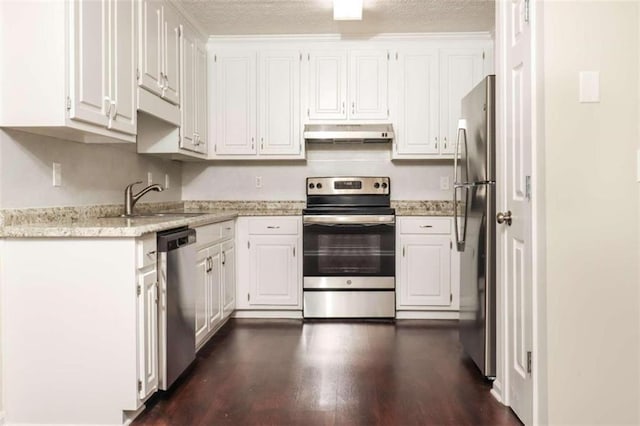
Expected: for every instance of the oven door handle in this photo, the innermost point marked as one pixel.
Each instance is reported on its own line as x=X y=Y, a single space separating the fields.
x=367 y=220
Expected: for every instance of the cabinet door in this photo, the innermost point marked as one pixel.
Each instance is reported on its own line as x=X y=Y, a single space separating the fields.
x=425 y=271
x=214 y=304
x=418 y=100
x=274 y=270
x=235 y=103
x=327 y=85
x=460 y=71
x=188 y=92
x=228 y=278
x=368 y=84
x=148 y=332
x=201 y=119
x=171 y=58
x=150 y=62
x=279 y=110
x=123 y=67
x=202 y=294
x=89 y=79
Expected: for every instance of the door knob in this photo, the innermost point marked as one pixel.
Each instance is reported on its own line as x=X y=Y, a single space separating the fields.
x=504 y=218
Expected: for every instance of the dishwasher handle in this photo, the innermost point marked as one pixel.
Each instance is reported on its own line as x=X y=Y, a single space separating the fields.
x=175 y=239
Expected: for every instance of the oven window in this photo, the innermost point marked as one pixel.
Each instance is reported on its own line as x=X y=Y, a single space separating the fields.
x=349 y=250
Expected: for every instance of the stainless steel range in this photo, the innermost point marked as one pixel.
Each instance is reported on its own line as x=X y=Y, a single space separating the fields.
x=349 y=248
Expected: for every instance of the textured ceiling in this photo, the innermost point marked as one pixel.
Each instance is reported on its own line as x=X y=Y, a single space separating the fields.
x=234 y=17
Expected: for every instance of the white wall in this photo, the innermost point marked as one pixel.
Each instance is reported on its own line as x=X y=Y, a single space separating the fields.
x=593 y=299
x=235 y=180
x=91 y=174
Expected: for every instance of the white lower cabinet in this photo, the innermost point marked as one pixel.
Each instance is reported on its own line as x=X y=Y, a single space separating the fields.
x=270 y=247
x=426 y=264
x=215 y=275
x=147 y=292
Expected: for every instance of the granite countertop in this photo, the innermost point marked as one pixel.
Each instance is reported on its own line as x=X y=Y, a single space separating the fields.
x=98 y=221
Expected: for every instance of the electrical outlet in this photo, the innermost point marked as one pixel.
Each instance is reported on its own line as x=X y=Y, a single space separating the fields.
x=149 y=178
x=444 y=183
x=166 y=181
x=57 y=174
x=258 y=181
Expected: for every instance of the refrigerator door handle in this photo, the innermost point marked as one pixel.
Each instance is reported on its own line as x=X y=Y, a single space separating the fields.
x=460 y=242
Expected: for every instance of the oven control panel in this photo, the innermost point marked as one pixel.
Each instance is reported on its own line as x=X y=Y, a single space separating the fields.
x=348 y=186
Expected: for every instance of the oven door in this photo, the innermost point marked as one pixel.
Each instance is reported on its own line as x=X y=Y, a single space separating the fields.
x=349 y=251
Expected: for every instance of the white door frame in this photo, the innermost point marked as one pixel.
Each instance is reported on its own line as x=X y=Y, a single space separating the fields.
x=538 y=234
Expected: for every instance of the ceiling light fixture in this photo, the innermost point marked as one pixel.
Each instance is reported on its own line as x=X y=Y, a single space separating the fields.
x=347 y=10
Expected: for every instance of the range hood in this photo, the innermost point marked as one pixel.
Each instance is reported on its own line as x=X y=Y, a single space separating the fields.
x=348 y=133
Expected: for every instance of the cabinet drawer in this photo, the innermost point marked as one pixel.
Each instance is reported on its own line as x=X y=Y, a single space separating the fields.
x=274 y=226
x=227 y=230
x=425 y=225
x=147 y=250
x=208 y=234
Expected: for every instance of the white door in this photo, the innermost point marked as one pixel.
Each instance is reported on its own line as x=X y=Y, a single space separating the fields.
x=425 y=270
x=188 y=92
x=368 y=84
x=516 y=239
x=460 y=71
x=90 y=75
x=201 y=285
x=201 y=120
x=274 y=270
x=171 y=58
x=150 y=62
x=235 y=103
x=214 y=304
x=327 y=85
x=228 y=278
x=279 y=109
x=123 y=115
x=148 y=333
x=417 y=103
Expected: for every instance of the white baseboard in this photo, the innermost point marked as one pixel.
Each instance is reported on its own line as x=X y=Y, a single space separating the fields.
x=441 y=315
x=496 y=391
x=268 y=314
x=130 y=416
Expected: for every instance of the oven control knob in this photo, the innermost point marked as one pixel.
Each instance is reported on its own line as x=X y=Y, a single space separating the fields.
x=349 y=282
x=319 y=185
x=384 y=184
x=376 y=185
x=311 y=186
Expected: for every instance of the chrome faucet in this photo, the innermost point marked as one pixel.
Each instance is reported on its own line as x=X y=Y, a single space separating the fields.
x=130 y=199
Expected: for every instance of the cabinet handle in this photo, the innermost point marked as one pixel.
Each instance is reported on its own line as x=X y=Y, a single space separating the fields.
x=445 y=142
x=273 y=227
x=343 y=107
x=151 y=254
x=107 y=106
x=166 y=82
x=353 y=107
x=436 y=142
x=161 y=80
x=115 y=109
x=403 y=249
x=294 y=252
x=224 y=257
x=426 y=226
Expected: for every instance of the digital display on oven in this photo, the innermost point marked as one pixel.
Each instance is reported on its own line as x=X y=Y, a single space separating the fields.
x=348 y=184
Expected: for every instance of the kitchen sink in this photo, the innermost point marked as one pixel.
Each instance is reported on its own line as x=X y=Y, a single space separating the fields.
x=154 y=215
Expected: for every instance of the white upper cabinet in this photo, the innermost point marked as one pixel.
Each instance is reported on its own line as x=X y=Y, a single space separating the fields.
x=256 y=104
x=416 y=76
x=159 y=63
x=348 y=84
x=201 y=118
x=368 y=90
x=234 y=102
x=188 y=92
x=279 y=102
x=327 y=85
x=84 y=52
x=430 y=85
x=460 y=70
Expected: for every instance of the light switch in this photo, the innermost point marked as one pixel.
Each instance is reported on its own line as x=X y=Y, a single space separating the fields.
x=57 y=174
x=589 y=86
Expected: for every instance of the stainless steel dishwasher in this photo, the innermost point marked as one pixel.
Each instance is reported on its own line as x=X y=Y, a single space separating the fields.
x=176 y=272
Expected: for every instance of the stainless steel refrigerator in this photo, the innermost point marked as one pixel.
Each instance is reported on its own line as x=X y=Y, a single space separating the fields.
x=475 y=207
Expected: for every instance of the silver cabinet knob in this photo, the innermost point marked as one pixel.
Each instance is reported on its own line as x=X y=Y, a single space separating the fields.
x=503 y=217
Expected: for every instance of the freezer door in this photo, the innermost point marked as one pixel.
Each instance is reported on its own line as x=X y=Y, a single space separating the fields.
x=479 y=118
x=477 y=280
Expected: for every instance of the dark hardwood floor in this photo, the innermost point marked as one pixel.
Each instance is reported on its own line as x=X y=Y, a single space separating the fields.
x=281 y=372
